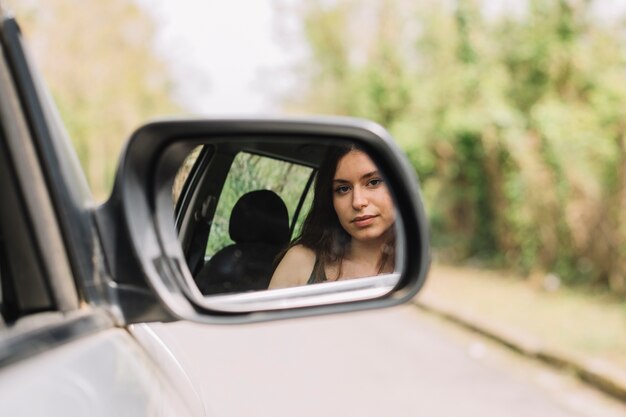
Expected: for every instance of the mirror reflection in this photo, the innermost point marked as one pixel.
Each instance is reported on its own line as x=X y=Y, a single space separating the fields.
x=260 y=215
x=348 y=231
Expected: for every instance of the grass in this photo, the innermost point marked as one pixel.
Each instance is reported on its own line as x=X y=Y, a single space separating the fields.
x=582 y=323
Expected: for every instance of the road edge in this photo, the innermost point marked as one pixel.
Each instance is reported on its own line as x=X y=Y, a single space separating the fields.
x=598 y=375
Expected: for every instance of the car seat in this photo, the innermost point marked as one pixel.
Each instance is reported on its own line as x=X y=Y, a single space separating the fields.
x=259 y=228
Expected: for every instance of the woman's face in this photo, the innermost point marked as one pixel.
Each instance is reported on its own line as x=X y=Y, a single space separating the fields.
x=361 y=199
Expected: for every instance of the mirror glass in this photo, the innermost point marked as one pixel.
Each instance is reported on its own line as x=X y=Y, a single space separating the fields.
x=264 y=216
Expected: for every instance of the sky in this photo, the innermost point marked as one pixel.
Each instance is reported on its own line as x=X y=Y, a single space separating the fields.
x=237 y=57
x=226 y=57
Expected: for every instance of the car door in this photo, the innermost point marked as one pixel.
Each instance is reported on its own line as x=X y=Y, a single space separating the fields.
x=62 y=349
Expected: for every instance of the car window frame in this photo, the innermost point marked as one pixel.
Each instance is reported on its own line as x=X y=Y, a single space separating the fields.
x=64 y=179
x=298 y=204
x=32 y=193
x=29 y=142
x=216 y=165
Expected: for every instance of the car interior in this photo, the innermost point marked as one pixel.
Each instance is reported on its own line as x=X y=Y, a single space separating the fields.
x=231 y=240
x=259 y=228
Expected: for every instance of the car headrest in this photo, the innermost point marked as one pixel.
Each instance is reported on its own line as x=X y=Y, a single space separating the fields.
x=260 y=216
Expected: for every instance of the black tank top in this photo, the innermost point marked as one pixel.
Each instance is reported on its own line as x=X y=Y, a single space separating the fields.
x=317 y=267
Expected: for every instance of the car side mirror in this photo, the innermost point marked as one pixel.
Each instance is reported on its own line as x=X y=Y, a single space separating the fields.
x=233 y=220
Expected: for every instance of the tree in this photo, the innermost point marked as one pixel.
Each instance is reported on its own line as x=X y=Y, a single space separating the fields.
x=97 y=60
x=513 y=121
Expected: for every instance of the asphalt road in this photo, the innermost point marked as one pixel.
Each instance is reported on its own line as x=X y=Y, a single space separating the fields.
x=393 y=362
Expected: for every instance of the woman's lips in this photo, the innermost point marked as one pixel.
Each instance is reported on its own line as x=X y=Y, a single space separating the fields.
x=363 y=221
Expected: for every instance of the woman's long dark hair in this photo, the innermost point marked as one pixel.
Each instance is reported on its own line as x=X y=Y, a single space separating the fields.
x=321 y=231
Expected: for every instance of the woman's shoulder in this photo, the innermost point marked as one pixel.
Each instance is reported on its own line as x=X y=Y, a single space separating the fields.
x=295 y=267
x=301 y=253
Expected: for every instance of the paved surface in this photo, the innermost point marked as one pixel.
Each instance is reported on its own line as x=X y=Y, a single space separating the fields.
x=393 y=362
x=597 y=374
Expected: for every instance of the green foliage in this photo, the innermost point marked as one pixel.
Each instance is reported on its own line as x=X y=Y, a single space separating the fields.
x=514 y=123
x=97 y=60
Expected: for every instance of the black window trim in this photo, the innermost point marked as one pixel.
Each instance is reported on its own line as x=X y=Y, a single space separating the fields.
x=73 y=217
x=45 y=235
x=305 y=193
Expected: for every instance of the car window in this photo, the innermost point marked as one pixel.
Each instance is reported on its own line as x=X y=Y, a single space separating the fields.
x=42 y=268
x=251 y=172
x=23 y=287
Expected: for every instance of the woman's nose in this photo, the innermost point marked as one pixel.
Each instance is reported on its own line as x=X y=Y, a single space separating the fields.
x=359 y=199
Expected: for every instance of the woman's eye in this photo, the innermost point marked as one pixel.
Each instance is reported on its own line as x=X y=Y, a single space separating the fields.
x=342 y=189
x=374 y=182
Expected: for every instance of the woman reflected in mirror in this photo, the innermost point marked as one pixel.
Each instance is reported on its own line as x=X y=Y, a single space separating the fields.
x=349 y=230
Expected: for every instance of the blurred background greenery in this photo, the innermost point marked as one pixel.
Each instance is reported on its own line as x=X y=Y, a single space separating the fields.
x=514 y=120
x=97 y=60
